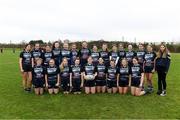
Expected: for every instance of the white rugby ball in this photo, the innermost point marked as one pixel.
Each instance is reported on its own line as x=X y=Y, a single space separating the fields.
x=89 y=77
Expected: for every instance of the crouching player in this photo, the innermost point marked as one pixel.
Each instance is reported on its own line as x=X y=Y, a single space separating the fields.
x=76 y=80
x=137 y=77
x=38 y=77
x=52 y=77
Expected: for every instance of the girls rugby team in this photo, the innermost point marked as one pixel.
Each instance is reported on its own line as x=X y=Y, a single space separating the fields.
x=71 y=70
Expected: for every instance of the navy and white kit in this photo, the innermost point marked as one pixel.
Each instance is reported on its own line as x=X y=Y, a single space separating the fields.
x=74 y=55
x=38 y=72
x=105 y=56
x=112 y=77
x=76 y=78
x=47 y=56
x=95 y=57
x=136 y=71
x=89 y=69
x=84 y=53
x=65 y=78
x=122 y=54
x=37 y=53
x=52 y=73
x=149 y=61
x=114 y=56
x=26 y=61
x=140 y=56
x=129 y=57
x=56 y=55
x=67 y=54
x=101 y=75
x=124 y=73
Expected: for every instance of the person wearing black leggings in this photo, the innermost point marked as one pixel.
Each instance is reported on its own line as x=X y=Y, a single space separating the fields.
x=162 y=67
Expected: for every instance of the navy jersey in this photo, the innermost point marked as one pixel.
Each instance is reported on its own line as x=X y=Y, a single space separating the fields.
x=47 y=56
x=76 y=72
x=95 y=57
x=122 y=54
x=130 y=55
x=101 y=72
x=140 y=56
x=52 y=73
x=149 y=59
x=65 y=72
x=84 y=53
x=136 y=71
x=67 y=54
x=112 y=73
x=124 y=73
x=114 y=55
x=105 y=56
x=26 y=57
x=74 y=55
x=38 y=72
x=37 y=53
x=89 y=69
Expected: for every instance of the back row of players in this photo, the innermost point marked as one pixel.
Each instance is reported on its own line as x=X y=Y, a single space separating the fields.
x=96 y=71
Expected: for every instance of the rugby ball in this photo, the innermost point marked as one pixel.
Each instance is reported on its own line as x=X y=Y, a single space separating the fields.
x=89 y=77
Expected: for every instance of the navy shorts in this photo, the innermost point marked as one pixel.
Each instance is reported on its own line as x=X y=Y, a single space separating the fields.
x=65 y=84
x=38 y=83
x=76 y=84
x=123 y=82
x=27 y=68
x=89 y=83
x=111 y=83
x=148 y=69
x=100 y=82
x=135 y=82
x=52 y=85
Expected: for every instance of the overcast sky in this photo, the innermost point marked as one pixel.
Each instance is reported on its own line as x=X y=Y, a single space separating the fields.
x=147 y=20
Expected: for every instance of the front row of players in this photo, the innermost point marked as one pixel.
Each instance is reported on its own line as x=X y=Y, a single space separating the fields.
x=93 y=79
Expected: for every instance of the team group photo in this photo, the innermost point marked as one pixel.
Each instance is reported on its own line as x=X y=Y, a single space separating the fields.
x=89 y=59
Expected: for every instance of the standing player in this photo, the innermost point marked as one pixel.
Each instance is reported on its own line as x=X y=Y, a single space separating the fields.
x=114 y=54
x=162 y=66
x=137 y=77
x=104 y=54
x=38 y=77
x=124 y=77
x=65 y=72
x=65 y=53
x=149 y=67
x=112 y=77
x=95 y=55
x=140 y=54
x=36 y=53
x=89 y=74
x=47 y=55
x=84 y=53
x=130 y=54
x=56 y=52
x=25 y=64
x=74 y=53
x=101 y=77
x=52 y=77
x=121 y=53
x=76 y=78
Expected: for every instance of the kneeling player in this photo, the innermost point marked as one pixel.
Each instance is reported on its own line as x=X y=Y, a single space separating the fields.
x=38 y=77
x=124 y=76
x=137 y=77
x=76 y=80
x=89 y=74
x=101 y=77
x=52 y=77
x=112 y=76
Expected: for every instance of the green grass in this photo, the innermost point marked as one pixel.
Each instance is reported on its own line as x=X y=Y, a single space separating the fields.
x=15 y=103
